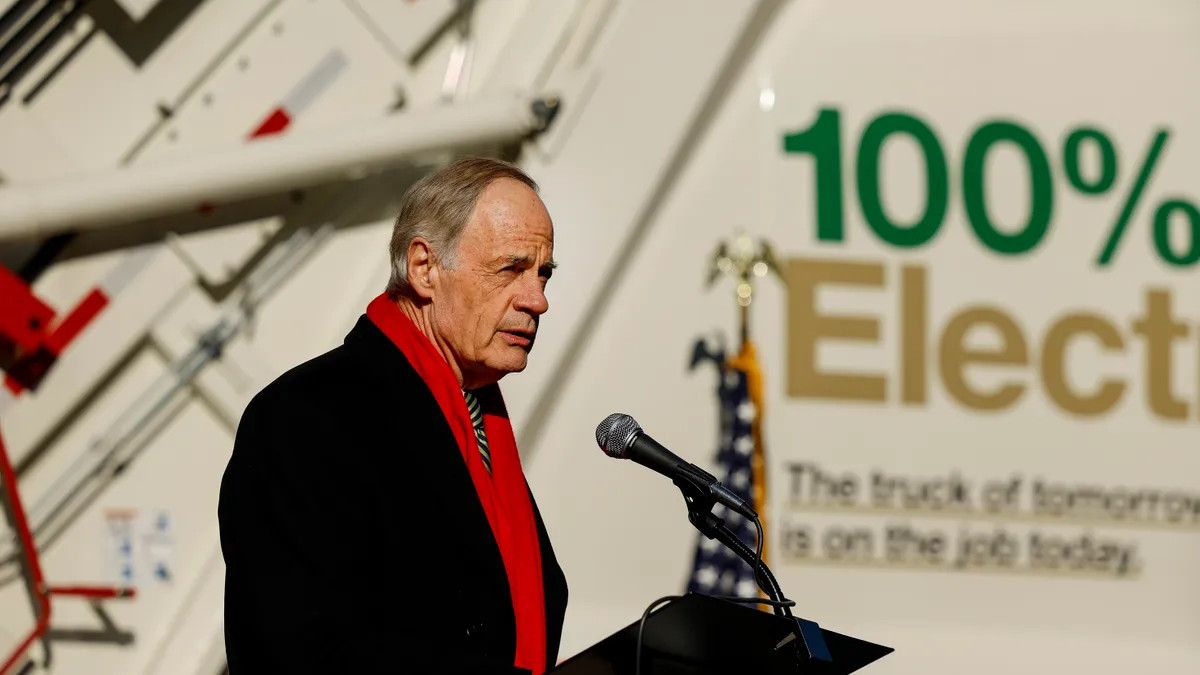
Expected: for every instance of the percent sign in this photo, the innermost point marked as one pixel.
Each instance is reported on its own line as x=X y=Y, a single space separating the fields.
x=822 y=140
x=1103 y=183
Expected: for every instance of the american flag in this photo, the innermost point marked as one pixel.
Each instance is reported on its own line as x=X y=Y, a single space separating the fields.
x=716 y=570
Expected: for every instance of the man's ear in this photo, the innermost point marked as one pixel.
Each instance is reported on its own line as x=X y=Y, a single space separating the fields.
x=421 y=271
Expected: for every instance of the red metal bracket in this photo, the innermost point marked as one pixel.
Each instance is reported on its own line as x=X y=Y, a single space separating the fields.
x=30 y=339
x=29 y=554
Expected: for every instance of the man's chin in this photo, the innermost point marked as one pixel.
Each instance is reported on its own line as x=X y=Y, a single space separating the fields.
x=514 y=361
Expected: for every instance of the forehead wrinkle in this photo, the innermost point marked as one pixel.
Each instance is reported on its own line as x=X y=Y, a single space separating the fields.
x=522 y=258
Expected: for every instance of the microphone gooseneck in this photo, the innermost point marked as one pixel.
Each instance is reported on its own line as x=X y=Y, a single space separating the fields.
x=621 y=437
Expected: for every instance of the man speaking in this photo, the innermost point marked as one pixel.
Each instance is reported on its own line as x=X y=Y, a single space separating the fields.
x=374 y=515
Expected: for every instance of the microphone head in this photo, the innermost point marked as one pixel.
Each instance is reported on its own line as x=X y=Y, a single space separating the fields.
x=615 y=433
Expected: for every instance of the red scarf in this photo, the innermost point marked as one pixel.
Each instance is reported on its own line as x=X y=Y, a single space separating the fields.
x=503 y=494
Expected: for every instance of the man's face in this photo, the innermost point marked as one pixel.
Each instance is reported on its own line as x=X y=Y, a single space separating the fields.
x=487 y=306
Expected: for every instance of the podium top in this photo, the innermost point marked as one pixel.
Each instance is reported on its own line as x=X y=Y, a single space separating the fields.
x=702 y=635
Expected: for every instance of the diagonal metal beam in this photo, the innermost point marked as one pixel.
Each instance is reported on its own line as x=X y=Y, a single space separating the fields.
x=755 y=29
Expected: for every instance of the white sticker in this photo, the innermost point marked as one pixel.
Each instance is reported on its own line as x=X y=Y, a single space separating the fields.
x=119 y=566
x=158 y=541
x=138 y=547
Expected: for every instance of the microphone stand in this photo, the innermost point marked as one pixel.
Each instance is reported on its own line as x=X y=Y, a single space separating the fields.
x=807 y=642
x=695 y=486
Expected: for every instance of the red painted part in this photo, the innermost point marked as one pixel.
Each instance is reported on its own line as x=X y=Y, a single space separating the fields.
x=276 y=122
x=83 y=314
x=41 y=592
x=95 y=592
x=27 y=373
x=25 y=535
x=23 y=317
x=26 y=355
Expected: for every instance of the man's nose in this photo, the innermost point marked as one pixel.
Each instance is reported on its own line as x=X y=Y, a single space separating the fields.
x=532 y=299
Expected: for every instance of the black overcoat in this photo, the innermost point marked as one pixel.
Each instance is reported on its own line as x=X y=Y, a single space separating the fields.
x=353 y=537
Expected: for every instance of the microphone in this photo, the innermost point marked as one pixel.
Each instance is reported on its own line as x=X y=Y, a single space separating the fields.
x=620 y=436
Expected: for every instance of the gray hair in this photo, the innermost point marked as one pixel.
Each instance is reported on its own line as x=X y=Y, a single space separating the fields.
x=437 y=209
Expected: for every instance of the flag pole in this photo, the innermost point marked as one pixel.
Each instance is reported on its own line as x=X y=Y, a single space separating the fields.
x=747 y=260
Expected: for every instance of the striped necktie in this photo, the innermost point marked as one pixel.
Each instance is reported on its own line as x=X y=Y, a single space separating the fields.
x=476 y=411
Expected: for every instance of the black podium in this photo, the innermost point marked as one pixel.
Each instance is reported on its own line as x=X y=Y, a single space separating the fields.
x=701 y=635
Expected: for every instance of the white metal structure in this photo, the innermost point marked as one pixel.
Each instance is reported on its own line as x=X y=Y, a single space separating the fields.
x=268 y=166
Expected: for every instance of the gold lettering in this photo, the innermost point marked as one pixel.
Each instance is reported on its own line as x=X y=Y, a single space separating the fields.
x=1160 y=331
x=1054 y=376
x=956 y=356
x=806 y=327
x=917 y=344
x=914 y=318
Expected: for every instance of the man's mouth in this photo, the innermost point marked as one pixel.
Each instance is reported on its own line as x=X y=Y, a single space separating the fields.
x=519 y=337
